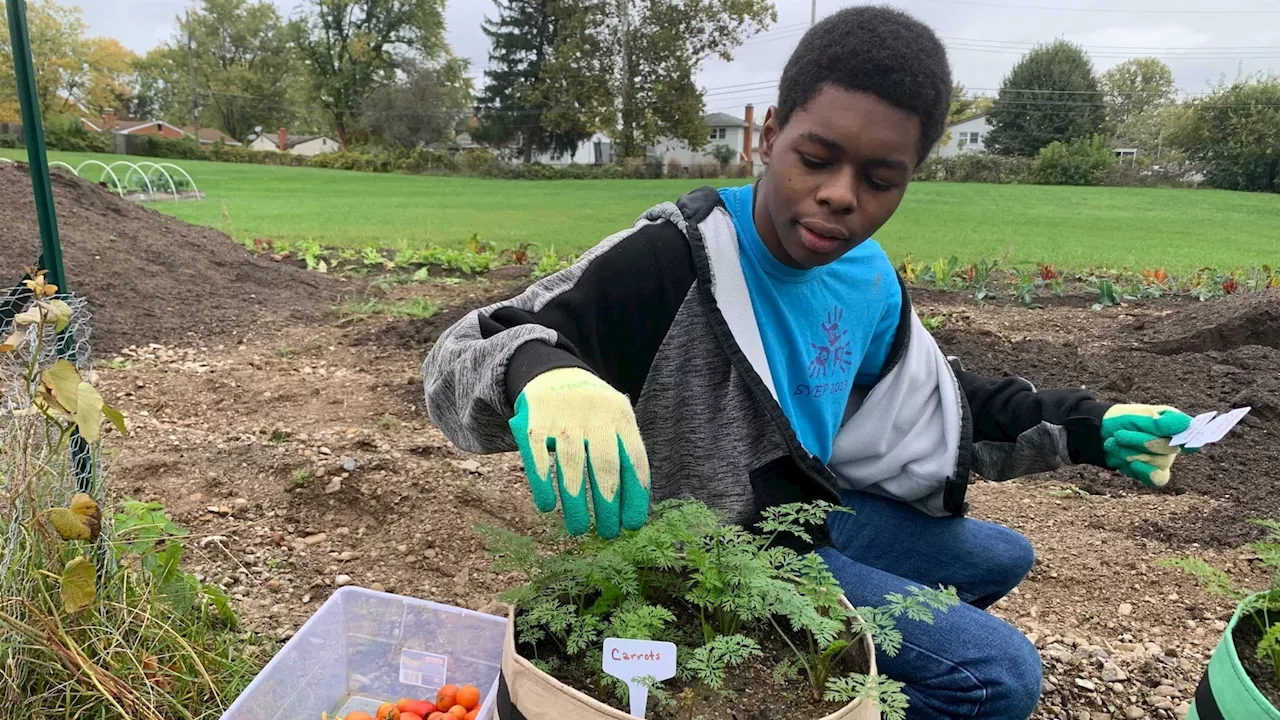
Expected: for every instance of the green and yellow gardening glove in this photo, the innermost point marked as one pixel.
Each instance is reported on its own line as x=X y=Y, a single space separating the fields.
x=592 y=430
x=1136 y=439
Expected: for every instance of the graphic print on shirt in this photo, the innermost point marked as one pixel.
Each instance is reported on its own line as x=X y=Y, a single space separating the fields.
x=832 y=359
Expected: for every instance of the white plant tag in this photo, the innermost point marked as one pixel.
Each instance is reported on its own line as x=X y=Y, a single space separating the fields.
x=1222 y=424
x=1198 y=424
x=1208 y=428
x=631 y=660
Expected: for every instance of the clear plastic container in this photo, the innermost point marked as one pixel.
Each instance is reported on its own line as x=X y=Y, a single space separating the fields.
x=363 y=648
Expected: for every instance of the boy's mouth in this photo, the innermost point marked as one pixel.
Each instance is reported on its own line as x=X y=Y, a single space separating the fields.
x=821 y=239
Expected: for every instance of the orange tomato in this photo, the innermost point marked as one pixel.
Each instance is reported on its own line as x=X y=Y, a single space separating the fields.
x=437 y=716
x=447 y=697
x=388 y=711
x=357 y=715
x=458 y=712
x=472 y=715
x=421 y=708
x=469 y=697
x=410 y=716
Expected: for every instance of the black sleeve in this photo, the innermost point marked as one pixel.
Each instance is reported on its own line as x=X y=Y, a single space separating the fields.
x=613 y=318
x=1008 y=411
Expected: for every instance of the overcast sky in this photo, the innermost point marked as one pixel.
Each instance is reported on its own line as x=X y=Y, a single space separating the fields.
x=1202 y=40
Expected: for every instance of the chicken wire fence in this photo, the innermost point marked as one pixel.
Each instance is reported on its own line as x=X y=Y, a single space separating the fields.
x=29 y=430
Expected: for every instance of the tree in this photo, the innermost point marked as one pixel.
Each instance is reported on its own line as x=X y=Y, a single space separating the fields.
x=355 y=47
x=74 y=73
x=663 y=43
x=154 y=93
x=243 y=63
x=1051 y=94
x=723 y=154
x=546 y=86
x=423 y=109
x=1234 y=134
x=1136 y=86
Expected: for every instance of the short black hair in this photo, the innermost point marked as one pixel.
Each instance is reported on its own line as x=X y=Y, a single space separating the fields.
x=879 y=50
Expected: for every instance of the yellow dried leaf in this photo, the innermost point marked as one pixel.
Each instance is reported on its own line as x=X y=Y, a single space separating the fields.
x=116 y=418
x=31 y=317
x=86 y=507
x=61 y=314
x=40 y=288
x=69 y=525
x=43 y=401
x=63 y=380
x=81 y=521
x=13 y=342
x=89 y=412
x=79 y=585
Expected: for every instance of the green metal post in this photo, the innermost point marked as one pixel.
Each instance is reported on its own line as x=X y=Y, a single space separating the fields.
x=24 y=71
x=42 y=187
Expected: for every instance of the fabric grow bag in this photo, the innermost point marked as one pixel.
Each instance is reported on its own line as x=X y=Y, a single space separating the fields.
x=1226 y=691
x=527 y=693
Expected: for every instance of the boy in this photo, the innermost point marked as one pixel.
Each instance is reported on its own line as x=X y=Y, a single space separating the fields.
x=763 y=347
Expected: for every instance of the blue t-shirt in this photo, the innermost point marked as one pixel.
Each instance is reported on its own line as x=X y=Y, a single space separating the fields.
x=824 y=329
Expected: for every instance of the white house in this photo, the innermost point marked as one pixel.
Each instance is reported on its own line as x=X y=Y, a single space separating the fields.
x=969 y=135
x=595 y=150
x=724 y=130
x=307 y=145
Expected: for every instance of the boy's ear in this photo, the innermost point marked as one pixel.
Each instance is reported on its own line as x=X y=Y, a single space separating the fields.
x=768 y=134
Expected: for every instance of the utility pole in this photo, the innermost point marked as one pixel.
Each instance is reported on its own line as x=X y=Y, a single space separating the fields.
x=624 y=13
x=191 y=67
x=813 y=12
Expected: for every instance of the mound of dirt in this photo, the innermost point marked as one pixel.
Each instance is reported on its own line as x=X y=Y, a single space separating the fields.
x=1252 y=319
x=1240 y=472
x=148 y=277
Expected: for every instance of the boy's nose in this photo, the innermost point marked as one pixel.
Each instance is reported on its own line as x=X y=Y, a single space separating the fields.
x=839 y=195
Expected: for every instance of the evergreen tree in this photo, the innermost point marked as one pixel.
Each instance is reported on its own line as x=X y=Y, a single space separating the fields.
x=538 y=92
x=1051 y=94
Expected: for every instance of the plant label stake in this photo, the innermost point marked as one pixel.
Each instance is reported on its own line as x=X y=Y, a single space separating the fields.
x=639 y=664
x=1208 y=428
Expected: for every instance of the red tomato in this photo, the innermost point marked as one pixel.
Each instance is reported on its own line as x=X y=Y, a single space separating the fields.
x=410 y=716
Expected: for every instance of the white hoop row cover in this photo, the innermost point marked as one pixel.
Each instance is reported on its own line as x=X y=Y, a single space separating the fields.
x=145 y=170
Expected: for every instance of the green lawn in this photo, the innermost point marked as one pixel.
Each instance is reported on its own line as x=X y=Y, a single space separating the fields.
x=1073 y=227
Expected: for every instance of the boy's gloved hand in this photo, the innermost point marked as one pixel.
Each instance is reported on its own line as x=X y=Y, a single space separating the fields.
x=592 y=429
x=1136 y=440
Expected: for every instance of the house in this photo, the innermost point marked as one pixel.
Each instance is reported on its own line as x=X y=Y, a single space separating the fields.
x=968 y=135
x=110 y=123
x=595 y=150
x=307 y=145
x=724 y=129
x=212 y=136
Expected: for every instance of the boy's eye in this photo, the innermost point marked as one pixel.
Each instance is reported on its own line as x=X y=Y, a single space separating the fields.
x=878 y=186
x=813 y=163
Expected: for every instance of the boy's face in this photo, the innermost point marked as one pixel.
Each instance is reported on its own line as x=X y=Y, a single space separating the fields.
x=837 y=173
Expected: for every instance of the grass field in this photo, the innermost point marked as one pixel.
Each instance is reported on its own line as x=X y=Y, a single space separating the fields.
x=1073 y=227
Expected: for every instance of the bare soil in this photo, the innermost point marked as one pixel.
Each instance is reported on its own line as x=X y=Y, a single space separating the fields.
x=150 y=278
x=297 y=449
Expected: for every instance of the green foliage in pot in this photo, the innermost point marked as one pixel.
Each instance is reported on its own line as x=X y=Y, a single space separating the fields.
x=714 y=589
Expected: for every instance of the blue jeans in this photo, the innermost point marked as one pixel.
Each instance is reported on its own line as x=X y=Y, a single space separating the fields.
x=968 y=663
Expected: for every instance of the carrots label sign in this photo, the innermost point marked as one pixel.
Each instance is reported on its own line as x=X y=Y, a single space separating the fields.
x=639 y=663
